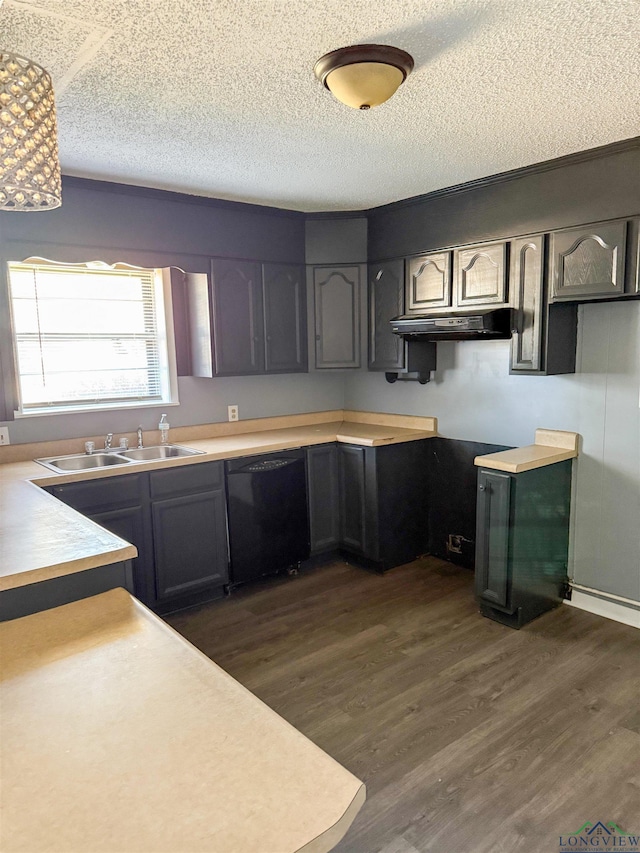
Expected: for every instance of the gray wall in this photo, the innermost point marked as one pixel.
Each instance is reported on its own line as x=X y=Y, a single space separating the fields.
x=110 y=222
x=475 y=399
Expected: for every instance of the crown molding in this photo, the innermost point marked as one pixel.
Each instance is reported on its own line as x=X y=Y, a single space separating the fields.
x=512 y=174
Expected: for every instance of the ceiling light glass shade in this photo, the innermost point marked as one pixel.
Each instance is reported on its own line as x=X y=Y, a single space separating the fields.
x=364 y=75
x=29 y=164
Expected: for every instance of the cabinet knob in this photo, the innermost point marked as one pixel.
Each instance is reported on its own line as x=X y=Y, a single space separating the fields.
x=482 y=488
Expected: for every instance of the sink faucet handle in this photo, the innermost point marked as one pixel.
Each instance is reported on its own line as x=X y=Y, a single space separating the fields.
x=89 y=447
x=108 y=440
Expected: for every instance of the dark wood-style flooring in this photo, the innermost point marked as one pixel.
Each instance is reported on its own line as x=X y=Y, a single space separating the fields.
x=470 y=736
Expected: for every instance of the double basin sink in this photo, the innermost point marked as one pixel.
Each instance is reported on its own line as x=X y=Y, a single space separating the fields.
x=106 y=459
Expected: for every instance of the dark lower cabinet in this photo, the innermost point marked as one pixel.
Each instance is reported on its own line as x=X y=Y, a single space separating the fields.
x=189 y=543
x=352 y=480
x=522 y=541
x=323 y=497
x=176 y=518
x=120 y=504
x=188 y=513
x=384 y=502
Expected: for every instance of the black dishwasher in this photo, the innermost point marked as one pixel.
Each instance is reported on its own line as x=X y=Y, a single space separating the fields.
x=268 y=518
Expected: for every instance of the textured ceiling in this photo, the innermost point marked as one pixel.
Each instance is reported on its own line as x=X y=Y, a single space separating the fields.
x=218 y=97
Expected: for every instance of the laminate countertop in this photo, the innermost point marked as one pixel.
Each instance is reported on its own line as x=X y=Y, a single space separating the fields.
x=117 y=734
x=41 y=538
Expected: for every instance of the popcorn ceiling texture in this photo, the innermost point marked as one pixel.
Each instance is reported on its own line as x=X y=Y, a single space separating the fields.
x=218 y=97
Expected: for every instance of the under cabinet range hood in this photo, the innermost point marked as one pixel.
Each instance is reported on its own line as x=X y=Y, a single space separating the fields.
x=491 y=324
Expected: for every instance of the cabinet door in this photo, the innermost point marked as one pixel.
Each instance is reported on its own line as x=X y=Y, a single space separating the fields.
x=322 y=485
x=190 y=543
x=588 y=262
x=352 y=497
x=386 y=301
x=428 y=282
x=238 y=335
x=285 y=318
x=481 y=275
x=492 y=537
x=527 y=280
x=133 y=525
x=337 y=316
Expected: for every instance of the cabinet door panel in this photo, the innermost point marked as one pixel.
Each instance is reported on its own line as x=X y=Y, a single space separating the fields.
x=386 y=301
x=480 y=275
x=324 y=515
x=285 y=318
x=527 y=273
x=132 y=525
x=352 y=497
x=589 y=261
x=492 y=537
x=237 y=317
x=190 y=543
x=428 y=282
x=337 y=308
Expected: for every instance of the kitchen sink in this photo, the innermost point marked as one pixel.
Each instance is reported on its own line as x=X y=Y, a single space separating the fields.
x=162 y=451
x=86 y=461
x=83 y=461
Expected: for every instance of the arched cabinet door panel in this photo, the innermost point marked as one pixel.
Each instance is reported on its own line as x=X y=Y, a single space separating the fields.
x=480 y=274
x=386 y=301
x=337 y=316
x=428 y=282
x=588 y=262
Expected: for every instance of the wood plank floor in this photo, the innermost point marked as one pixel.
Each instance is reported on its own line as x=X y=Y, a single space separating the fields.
x=470 y=736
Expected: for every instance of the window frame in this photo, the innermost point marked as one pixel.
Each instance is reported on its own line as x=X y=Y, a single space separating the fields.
x=168 y=373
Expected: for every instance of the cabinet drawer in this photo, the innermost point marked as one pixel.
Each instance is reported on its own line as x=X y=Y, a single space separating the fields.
x=189 y=478
x=109 y=493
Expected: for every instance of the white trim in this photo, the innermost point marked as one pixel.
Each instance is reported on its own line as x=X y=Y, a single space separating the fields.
x=609 y=609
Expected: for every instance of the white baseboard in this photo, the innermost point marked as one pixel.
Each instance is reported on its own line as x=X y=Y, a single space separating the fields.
x=609 y=609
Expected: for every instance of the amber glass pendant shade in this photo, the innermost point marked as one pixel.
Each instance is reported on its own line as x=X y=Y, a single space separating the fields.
x=29 y=164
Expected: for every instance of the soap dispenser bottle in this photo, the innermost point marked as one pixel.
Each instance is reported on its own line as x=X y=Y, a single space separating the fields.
x=163 y=426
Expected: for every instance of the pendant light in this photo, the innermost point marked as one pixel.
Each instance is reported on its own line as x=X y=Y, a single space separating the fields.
x=29 y=165
x=364 y=75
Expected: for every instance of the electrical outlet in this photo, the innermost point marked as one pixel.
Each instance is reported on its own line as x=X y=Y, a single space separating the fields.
x=233 y=412
x=4 y=435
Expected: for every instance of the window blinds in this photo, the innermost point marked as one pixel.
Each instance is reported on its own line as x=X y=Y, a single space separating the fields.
x=84 y=335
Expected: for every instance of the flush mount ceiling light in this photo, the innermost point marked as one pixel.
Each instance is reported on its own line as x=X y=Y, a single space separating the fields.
x=364 y=75
x=29 y=165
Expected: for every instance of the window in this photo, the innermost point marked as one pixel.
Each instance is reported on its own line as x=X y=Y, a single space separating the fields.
x=90 y=336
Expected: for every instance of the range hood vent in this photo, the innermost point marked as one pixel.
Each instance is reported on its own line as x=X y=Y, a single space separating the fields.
x=489 y=325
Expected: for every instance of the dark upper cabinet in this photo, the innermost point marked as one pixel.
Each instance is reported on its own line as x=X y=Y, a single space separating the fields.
x=337 y=316
x=589 y=261
x=428 y=282
x=480 y=275
x=386 y=301
x=249 y=318
x=323 y=497
x=522 y=541
x=544 y=336
x=285 y=318
x=527 y=291
x=238 y=332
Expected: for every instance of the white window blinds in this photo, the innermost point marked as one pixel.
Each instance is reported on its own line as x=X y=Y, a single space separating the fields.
x=86 y=335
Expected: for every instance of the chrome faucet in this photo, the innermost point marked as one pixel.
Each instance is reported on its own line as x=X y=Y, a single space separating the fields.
x=108 y=440
x=140 y=445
